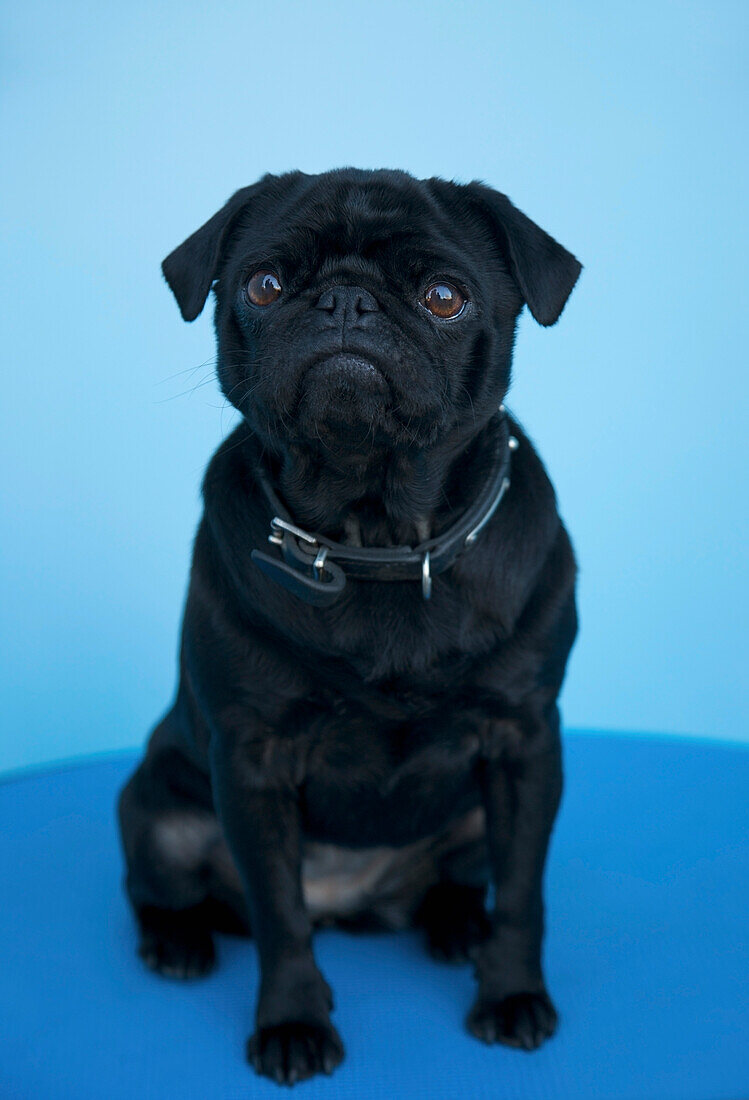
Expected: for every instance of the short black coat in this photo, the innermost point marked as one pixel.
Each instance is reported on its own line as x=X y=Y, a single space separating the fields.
x=384 y=722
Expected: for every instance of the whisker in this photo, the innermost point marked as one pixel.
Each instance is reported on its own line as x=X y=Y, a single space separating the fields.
x=189 y=392
x=187 y=370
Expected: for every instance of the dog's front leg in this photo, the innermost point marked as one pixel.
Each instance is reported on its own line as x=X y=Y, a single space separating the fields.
x=258 y=810
x=521 y=780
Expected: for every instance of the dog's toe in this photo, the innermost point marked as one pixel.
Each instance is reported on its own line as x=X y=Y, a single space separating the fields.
x=184 y=952
x=522 y=1020
x=292 y=1052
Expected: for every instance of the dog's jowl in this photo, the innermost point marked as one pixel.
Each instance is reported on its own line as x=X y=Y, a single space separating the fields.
x=380 y=609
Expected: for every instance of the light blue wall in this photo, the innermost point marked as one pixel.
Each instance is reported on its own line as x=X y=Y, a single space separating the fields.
x=619 y=127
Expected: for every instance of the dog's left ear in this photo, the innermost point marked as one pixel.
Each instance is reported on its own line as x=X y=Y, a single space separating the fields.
x=544 y=271
x=192 y=268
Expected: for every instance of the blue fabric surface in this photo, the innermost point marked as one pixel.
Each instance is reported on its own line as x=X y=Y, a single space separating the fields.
x=647 y=956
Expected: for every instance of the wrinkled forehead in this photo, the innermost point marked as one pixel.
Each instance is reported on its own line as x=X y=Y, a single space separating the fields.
x=378 y=221
x=355 y=216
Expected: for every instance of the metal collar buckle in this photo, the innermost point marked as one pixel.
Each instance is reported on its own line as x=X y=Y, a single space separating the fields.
x=304 y=569
x=278 y=526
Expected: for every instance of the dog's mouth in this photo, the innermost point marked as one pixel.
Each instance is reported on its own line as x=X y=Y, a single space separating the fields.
x=344 y=399
x=349 y=401
x=345 y=388
x=344 y=370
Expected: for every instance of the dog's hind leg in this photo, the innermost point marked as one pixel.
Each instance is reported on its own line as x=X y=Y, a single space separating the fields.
x=453 y=910
x=171 y=838
x=176 y=944
x=455 y=920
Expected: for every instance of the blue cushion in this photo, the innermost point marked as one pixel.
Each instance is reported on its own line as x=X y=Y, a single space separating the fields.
x=647 y=955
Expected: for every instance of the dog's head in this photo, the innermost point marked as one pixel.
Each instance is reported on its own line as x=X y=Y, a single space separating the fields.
x=367 y=309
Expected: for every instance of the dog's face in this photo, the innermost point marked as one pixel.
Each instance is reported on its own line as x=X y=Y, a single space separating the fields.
x=368 y=310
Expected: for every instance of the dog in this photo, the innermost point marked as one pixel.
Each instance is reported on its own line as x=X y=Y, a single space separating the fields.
x=380 y=609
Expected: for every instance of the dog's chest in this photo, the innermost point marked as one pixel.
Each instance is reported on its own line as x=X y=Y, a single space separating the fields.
x=370 y=782
x=389 y=629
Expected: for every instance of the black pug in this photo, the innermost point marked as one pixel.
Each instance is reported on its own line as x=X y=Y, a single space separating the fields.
x=380 y=608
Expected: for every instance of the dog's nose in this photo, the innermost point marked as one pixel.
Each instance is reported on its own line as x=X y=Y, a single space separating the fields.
x=343 y=302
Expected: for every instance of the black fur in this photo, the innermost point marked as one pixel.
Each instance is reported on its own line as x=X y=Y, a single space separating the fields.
x=304 y=739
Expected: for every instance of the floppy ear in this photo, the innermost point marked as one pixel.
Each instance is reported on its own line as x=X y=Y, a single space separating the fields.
x=544 y=271
x=192 y=267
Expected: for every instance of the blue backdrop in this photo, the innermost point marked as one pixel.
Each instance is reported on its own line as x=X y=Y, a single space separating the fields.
x=618 y=127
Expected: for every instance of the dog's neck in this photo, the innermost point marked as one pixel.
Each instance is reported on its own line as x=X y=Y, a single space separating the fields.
x=401 y=497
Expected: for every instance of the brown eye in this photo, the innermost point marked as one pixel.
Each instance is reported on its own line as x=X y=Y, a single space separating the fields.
x=263 y=288
x=444 y=300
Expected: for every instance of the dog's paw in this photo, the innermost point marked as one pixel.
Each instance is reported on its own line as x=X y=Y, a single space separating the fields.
x=521 y=1020
x=455 y=922
x=292 y=1052
x=180 y=954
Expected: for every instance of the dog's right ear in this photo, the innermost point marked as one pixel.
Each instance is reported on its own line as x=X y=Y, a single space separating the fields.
x=192 y=268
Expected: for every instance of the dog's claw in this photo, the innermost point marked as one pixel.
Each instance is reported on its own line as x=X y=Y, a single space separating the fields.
x=293 y=1052
x=522 y=1020
x=178 y=956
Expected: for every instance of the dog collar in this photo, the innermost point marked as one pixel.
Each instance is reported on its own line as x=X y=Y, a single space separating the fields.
x=314 y=567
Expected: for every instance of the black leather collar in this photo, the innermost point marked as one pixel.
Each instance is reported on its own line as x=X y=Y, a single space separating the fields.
x=315 y=567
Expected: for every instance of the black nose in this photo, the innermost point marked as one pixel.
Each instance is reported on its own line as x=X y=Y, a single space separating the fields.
x=344 y=302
